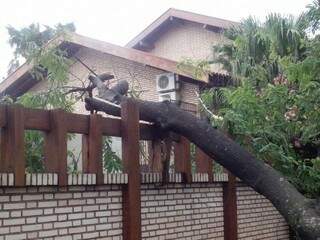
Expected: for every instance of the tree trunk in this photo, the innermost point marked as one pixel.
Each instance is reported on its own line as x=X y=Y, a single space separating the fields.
x=302 y=214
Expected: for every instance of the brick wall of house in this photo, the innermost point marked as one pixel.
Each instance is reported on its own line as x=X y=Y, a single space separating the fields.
x=189 y=40
x=141 y=77
x=173 y=211
x=257 y=217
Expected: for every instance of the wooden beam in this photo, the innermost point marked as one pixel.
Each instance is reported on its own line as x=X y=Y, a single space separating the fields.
x=94 y=163
x=55 y=147
x=130 y=156
x=12 y=149
x=3 y=116
x=3 y=122
x=230 y=209
x=204 y=163
x=182 y=159
x=146 y=46
x=77 y=123
x=212 y=28
x=37 y=119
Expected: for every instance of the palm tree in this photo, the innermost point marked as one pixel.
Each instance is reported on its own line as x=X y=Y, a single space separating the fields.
x=255 y=48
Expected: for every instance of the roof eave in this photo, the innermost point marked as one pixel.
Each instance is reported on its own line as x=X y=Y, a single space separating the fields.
x=215 y=23
x=126 y=53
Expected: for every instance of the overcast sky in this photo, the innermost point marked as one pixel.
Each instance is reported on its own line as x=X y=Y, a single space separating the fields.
x=118 y=21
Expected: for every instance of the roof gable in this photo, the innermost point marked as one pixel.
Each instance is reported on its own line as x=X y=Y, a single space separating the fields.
x=16 y=79
x=142 y=40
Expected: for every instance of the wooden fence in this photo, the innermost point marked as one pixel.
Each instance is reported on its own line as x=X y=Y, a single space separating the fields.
x=56 y=124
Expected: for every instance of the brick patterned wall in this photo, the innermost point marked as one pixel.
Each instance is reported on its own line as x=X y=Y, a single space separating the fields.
x=61 y=213
x=174 y=211
x=141 y=77
x=189 y=40
x=182 y=212
x=257 y=217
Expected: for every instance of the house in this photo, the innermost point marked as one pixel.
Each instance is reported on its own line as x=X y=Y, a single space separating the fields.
x=175 y=35
x=192 y=211
x=137 y=67
x=156 y=50
x=178 y=34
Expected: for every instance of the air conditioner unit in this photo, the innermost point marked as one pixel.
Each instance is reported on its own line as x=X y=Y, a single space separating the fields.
x=167 y=82
x=169 y=96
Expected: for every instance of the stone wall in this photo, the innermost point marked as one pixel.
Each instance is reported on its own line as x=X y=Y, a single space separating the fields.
x=173 y=211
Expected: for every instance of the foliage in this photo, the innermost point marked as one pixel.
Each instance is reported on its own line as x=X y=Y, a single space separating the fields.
x=29 y=40
x=199 y=67
x=34 y=151
x=274 y=112
x=312 y=16
x=52 y=67
x=111 y=161
x=254 y=49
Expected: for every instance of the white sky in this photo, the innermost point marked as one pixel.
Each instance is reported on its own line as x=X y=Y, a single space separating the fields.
x=118 y=21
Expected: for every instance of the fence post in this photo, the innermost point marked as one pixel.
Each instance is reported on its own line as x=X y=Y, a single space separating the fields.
x=55 y=146
x=130 y=156
x=94 y=163
x=230 y=208
x=3 y=122
x=3 y=116
x=182 y=159
x=12 y=147
x=204 y=163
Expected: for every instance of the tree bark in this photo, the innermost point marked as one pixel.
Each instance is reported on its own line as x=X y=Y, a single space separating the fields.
x=301 y=213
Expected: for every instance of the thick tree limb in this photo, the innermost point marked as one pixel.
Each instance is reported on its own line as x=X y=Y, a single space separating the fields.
x=301 y=213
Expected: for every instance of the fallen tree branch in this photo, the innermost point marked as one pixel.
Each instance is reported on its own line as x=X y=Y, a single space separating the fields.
x=301 y=213
x=209 y=113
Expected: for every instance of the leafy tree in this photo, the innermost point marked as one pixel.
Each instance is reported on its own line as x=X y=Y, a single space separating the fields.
x=274 y=112
x=312 y=16
x=28 y=41
x=51 y=64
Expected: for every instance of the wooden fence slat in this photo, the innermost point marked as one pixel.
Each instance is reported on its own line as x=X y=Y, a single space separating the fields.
x=12 y=150
x=3 y=116
x=230 y=209
x=204 y=163
x=55 y=147
x=182 y=159
x=130 y=156
x=112 y=127
x=3 y=121
x=36 y=119
x=77 y=123
x=94 y=163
